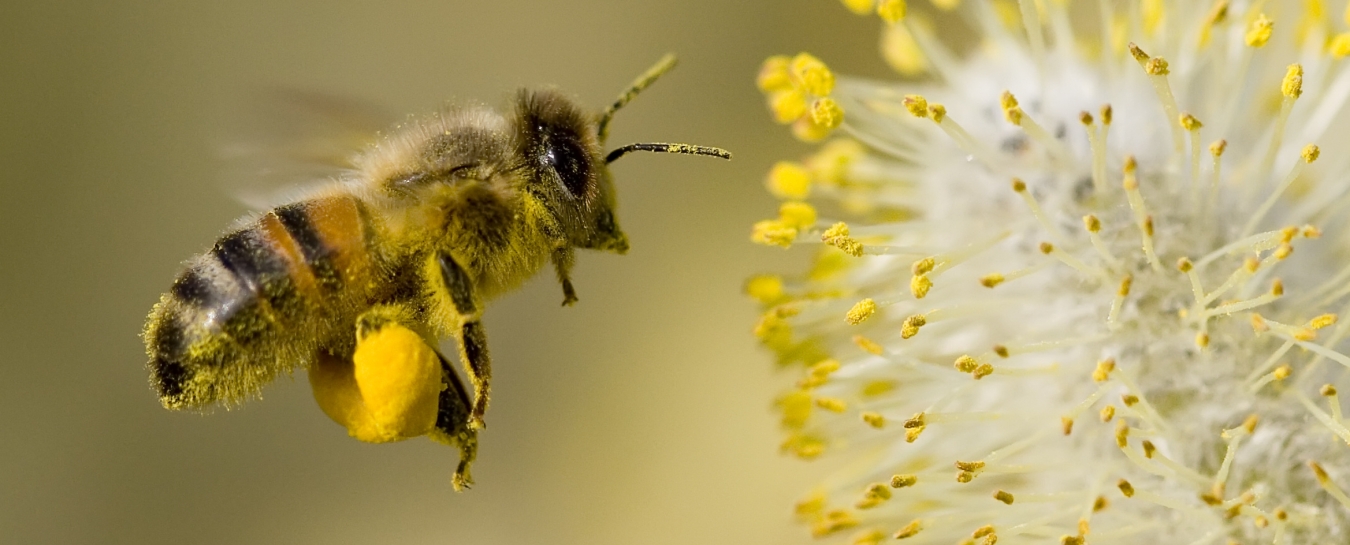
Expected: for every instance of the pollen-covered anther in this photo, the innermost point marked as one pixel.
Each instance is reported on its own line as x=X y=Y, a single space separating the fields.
x=982 y=371
x=937 y=113
x=916 y=104
x=827 y=113
x=811 y=74
x=838 y=236
x=1217 y=148
x=966 y=364
x=1011 y=110
x=874 y=495
x=1190 y=123
x=773 y=233
x=1066 y=424
x=1072 y=540
x=912 y=434
x=797 y=215
x=1103 y=370
x=1259 y=324
x=1047 y=248
x=1004 y=496
x=910 y=530
x=923 y=266
x=911 y=325
x=1327 y=390
x=832 y=404
x=1184 y=265
x=1258 y=33
x=891 y=11
x=919 y=286
x=1129 y=399
x=1202 y=340
x=1157 y=66
x=991 y=280
x=1149 y=449
x=1277 y=287
x=1125 y=488
x=874 y=419
x=1292 y=84
x=833 y=522
x=861 y=311
x=1122 y=433
x=903 y=481
x=789 y=180
x=868 y=345
x=1100 y=503
x=1107 y=413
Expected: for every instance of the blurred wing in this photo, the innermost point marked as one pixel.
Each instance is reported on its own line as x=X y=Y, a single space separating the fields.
x=295 y=139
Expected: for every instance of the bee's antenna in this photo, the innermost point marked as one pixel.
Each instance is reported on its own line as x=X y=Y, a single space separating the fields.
x=661 y=67
x=687 y=149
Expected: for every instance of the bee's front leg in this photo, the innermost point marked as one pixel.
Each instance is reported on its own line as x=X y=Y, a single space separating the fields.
x=562 y=263
x=468 y=333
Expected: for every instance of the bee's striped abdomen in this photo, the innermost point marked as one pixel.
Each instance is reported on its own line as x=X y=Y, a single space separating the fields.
x=259 y=302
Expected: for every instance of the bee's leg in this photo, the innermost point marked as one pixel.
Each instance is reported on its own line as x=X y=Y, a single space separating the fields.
x=452 y=423
x=468 y=333
x=562 y=263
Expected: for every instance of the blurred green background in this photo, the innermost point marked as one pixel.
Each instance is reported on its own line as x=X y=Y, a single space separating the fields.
x=639 y=416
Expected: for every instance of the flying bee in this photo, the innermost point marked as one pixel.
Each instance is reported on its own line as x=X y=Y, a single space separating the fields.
x=359 y=282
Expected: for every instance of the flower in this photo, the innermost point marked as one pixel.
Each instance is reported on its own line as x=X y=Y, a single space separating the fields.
x=1080 y=282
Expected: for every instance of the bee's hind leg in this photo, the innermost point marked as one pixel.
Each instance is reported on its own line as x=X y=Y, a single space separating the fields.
x=469 y=335
x=452 y=423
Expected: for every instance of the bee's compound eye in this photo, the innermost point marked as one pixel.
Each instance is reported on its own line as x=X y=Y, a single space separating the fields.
x=566 y=156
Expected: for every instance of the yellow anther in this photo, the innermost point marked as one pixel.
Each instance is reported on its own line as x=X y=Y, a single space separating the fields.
x=1202 y=340
x=1107 y=413
x=1339 y=46
x=1148 y=225
x=1153 y=13
x=1287 y=234
x=1129 y=399
x=912 y=434
x=837 y=230
x=812 y=74
x=991 y=280
x=765 y=288
x=1106 y=114
x=966 y=364
x=1320 y=473
x=1322 y=321
x=826 y=113
x=1157 y=66
x=1085 y=118
x=982 y=371
x=796 y=407
x=773 y=233
x=1250 y=422
x=911 y=325
x=1277 y=287
x=1251 y=264
x=1100 y=503
x=1310 y=153
x=937 y=112
x=1218 y=13
x=837 y=236
x=1103 y=370
x=1327 y=390
x=1001 y=350
x=1011 y=111
x=789 y=180
x=1131 y=166
x=964 y=477
x=832 y=404
x=1259 y=324
x=877 y=490
x=891 y=11
x=861 y=311
x=773 y=74
x=1283 y=251
x=824 y=367
x=982 y=531
x=916 y=104
x=1190 y=123
x=1047 y=248
x=870 y=537
x=807 y=130
x=834 y=521
x=916 y=421
x=1292 y=86
x=1258 y=33
x=1216 y=149
x=876 y=420
x=1311 y=232
x=969 y=466
x=810 y=505
x=1092 y=224
x=878 y=387
x=797 y=214
x=859 y=7
x=1066 y=424
x=1122 y=433
x=1018 y=185
x=1125 y=488
x=903 y=481
x=787 y=105
x=1071 y=540
x=1149 y=449
x=1184 y=265
x=868 y=345
x=910 y=530
x=1003 y=496
x=919 y=286
x=1139 y=55
x=1305 y=335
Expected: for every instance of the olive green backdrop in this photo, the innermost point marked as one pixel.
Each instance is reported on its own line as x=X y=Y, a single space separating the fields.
x=639 y=416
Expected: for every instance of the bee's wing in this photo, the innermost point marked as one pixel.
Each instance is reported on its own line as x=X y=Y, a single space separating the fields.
x=295 y=139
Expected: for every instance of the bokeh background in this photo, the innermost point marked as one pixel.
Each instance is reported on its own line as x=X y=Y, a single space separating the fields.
x=639 y=416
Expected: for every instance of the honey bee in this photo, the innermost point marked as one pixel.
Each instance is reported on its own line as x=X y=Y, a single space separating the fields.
x=360 y=281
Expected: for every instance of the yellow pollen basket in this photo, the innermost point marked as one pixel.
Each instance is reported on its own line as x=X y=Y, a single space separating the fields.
x=388 y=392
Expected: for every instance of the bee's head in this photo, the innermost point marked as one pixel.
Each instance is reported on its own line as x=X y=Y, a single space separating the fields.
x=560 y=152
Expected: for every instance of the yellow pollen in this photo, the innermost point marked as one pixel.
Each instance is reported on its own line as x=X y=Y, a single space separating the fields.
x=1251 y=264
x=1184 y=265
x=969 y=466
x=910 y=530
x=911 y=325
x=832 y=404
x=1122 y=433
x=789 y=180
x=1202 y=340
x=773 y=74
x=868 y=345
x=787 y=105
x=1259 y=324
x=1125 y=488
x=1311 y=232
x=1322 y=321
x=965 y=477
x=919 y=286
x=1310 y=153
x=991 y=280
x=1011 y=111
x=1129 y=399
x=1047 y=248
x=876 y=420
x=1249 y=423
x=1339 y=47
x=834 y=521
x=1001 y=350
x=1149 y=449
x=859 y=7
x=891 y=11
x=903 y=481
x=1139 y=55
x=1327 y=390
x=1190 y=123
x=1258 y=33
x=1103 y=371
x=1106 y=114
x=1287 y=234
x=870 y=537
x=1066 y=424
x=937 y=113
x=861 y=311
x=1157 y=66
x=1283 y=251
x=1216 y=149
x=812 y=74
x=1092 y=224
x=1108 y=412
x=916 y=421
x=765 y=288
x=1018 y=185
x=982 y=371
x=1085 y=118
x=1292 y=86
x=826 y=113
x=797 y=214
x=923 y=266
x=1003 y=496
x=1320 y=473
x=1071 y=540
x=1125 y=284
x=1277 y=287
x=773 y=233
x=1100 y=503
x=916 y=104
